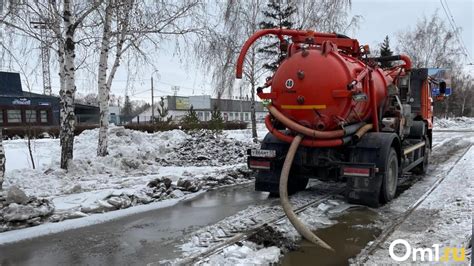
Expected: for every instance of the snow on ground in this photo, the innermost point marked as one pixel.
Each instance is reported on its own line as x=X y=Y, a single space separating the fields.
x=246 y=253
x=456 y=123
x=122 y=179
x=448 y=149
x=449 y=208
x=268 y=245
x=246 y=134
x=208 y=237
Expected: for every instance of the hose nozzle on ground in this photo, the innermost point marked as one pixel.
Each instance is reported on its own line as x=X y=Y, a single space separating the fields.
x=299 y=226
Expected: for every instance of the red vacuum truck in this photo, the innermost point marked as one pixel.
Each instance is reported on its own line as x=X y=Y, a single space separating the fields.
x=334 y=113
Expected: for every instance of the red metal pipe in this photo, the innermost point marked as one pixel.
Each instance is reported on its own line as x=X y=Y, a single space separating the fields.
x=279 y=33
x=306 y=142
x=373 y=103
x=407 y=61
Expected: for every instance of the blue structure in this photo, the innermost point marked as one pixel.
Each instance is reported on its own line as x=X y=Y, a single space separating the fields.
x=21 y=108
x=18 y=107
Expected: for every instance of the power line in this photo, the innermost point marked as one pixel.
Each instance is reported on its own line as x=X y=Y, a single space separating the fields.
x=457 y=33
x=452 y=22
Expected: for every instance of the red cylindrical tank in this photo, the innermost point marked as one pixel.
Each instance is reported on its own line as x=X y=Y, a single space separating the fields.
x=311 y=88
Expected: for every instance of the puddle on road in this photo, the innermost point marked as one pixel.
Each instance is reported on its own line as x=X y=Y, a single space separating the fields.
x=348 y=237
x=137 y=239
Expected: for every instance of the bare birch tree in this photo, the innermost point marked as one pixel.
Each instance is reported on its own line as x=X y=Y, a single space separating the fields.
x=325 y=15
x=62 y=19
x=430 y=44
x=130 y=25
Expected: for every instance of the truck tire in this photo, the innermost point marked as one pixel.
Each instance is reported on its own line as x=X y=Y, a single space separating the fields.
x=389 y=177
x=423 y=166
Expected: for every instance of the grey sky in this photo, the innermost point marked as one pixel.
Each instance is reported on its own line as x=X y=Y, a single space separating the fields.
x=380 y=18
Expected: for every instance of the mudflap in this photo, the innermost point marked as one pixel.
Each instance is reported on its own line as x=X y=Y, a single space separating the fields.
x=361 y=189
x=370 y=152
x=268 y=180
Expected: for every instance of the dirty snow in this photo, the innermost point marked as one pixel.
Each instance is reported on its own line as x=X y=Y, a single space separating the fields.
x=100 y=184
x=269 y=245
x=448 y=149
x=449 y=208
x=455 y=123
x=51 y=228
x=247 y=253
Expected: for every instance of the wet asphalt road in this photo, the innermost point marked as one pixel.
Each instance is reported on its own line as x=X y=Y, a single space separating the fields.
x=134 y=240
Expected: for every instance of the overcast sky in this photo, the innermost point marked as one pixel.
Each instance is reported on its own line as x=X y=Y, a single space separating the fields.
x=380 y=18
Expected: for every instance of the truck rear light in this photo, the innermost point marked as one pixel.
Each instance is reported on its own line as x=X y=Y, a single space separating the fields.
x=257 y=164
x=356 y=171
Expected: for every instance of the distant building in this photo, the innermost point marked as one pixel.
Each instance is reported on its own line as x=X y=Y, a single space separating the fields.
x=20 y=108
x=114 y=115
x=231 y=110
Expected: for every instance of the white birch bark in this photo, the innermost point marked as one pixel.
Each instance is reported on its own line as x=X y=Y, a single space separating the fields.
x=105 y=84
x=68 y=90
x=2 y=160
x=104 y=90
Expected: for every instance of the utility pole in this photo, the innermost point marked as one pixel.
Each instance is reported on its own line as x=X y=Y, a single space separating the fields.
x=152 y=101
x=41 y=25
x=175 y=89
x=241 y=109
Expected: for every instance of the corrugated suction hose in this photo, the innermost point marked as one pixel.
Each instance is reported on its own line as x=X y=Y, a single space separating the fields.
x=299 y=226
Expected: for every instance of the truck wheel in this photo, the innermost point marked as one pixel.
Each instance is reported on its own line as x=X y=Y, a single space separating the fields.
x=423 y=166
x=390 y=177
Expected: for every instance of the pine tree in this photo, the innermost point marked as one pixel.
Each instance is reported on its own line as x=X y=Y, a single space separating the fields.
x=127 y=109
x=386 y=51
x=190 y=120
x=216 y=123
x=278 y=15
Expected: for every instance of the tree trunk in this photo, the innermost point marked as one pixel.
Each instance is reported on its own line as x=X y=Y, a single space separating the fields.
x=2 y=160
x=446 y=109
x=463 y=105
x=104 y=90
x=68 y=90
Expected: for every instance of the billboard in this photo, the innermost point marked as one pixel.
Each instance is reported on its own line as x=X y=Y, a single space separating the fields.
x=200 y=102
x=182 y=103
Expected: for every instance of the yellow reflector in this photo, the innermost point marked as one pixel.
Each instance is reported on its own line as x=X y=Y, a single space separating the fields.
x=301 y=107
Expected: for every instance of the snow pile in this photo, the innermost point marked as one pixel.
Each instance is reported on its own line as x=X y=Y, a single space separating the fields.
x=17 y=210
x=245 y=135
x=454 y=123
x=201 y=148
x=130 y=151
x=172 y=163
x=245 y=253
